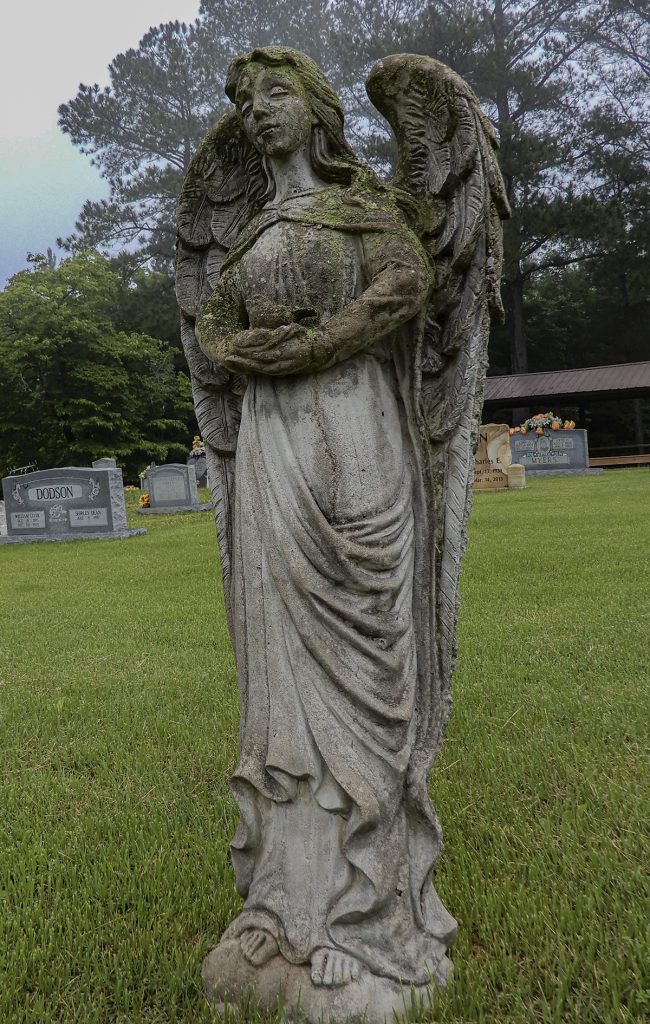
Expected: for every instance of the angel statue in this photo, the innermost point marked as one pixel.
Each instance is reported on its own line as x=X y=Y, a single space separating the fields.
x=335 y=328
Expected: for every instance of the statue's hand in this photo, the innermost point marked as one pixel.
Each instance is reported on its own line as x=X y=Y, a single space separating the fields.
x=280 y=351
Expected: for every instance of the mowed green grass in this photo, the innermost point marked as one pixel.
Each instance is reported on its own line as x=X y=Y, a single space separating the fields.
x=118 y=726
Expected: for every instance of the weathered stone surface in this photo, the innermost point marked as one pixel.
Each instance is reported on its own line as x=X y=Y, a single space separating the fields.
x=493 y=468
x=516 y=477
x=71 y=503
x=341 y=475
x=229 y=978
x=492 y=458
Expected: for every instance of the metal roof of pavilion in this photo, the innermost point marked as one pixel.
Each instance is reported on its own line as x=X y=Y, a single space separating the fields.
x=626 y=380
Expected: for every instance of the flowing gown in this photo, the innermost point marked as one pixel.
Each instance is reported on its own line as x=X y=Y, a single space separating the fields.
x=324 y=632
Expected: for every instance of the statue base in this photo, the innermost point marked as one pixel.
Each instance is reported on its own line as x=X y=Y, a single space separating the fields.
x=229 y=978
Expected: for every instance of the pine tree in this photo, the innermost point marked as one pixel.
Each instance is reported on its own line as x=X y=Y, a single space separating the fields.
x=549 y=72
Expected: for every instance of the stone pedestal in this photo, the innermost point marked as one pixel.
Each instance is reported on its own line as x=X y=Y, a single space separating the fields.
x=228 y=978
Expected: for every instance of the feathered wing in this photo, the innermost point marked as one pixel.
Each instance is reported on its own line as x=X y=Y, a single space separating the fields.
x=211 y=211
x=450 y=187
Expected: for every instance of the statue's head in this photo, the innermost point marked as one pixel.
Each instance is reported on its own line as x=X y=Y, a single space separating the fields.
x=285 y=102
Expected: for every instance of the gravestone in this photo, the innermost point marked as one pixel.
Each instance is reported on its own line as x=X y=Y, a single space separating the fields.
x=201 y=467
x=555 y=452
x=106 y=463
x=493 y=469
x=172 y=488
x=71 y=503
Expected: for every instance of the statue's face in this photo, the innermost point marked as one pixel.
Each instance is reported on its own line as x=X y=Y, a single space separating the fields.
x=274 y=108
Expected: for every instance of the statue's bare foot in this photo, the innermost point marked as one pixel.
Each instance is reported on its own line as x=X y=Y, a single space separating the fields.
x=331 y=967
x=258 y=946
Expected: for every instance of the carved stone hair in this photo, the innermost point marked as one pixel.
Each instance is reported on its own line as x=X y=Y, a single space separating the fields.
x=331 y=156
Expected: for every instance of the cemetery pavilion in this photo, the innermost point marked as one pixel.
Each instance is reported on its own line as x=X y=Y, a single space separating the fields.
x=576 y=388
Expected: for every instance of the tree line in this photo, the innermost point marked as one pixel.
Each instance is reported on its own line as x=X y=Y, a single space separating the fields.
x=565 y=82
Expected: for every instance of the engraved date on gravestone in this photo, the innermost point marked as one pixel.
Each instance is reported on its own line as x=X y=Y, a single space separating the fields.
x=88 y=517
x=27 y=520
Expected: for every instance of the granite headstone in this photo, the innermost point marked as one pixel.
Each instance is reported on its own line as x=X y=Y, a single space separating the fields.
x=557 y=452
x=69 y=503
x=172 y=488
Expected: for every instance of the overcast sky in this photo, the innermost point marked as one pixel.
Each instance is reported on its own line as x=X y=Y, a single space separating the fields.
x=47 y=47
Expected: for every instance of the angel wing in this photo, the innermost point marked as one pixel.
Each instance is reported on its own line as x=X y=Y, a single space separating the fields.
x=449 y=179
x=213 y=206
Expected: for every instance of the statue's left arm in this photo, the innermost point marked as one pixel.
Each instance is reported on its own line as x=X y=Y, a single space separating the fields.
x=400 y=279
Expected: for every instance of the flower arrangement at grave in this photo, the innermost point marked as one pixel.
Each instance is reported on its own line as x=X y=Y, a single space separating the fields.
x=143 y=474
x=198 y=447
x=542 y=423
x=144 y=500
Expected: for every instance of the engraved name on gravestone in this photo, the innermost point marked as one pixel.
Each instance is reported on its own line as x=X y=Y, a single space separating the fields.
x=560 y=451
x=65 y=504
x=171 y=488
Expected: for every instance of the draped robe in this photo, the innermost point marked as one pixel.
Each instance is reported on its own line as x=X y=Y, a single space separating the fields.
x=331 y=597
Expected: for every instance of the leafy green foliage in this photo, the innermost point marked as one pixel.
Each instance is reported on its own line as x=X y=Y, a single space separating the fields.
x=76 y=386
x=119 y=731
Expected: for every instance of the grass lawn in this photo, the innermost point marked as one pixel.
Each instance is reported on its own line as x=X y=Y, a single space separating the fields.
x=118 y=719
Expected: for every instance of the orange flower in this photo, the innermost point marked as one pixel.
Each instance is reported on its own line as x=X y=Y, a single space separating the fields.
x=539 y=430
x=512 y=430
x=555 y=426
